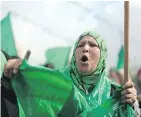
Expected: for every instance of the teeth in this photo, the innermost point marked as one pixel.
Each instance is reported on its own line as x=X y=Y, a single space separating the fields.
x=85 y=63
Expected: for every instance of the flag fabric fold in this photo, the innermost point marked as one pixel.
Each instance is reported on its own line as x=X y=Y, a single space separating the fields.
x=59 y=57
x=41 y=92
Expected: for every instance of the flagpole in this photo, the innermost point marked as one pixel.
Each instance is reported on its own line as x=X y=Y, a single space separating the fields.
x=126 y=41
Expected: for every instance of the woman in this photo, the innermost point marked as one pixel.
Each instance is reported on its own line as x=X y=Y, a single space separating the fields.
x=87 y=71
x=92 y=87
x=113 y=75
x=138 y=82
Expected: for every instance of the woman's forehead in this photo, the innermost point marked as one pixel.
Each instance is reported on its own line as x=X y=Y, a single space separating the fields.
x=86 y=39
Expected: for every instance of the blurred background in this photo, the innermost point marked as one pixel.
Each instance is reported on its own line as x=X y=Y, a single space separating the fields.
x=49 y=29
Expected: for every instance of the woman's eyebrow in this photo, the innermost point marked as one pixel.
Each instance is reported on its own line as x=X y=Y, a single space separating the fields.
x=92 y=42
x=82 y=42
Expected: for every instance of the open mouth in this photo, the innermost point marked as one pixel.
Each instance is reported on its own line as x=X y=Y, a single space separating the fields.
x=84 y=58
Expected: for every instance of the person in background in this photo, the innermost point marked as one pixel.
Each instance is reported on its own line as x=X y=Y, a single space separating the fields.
x=49 y=65
x=113 y=75
x=138 y=86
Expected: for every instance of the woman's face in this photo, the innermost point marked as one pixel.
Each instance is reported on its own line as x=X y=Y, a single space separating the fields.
x=87 y=55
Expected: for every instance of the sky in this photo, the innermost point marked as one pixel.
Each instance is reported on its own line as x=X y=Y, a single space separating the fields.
x=41 y=25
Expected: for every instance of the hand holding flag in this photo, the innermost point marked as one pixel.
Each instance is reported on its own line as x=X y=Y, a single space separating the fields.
x=13 y=65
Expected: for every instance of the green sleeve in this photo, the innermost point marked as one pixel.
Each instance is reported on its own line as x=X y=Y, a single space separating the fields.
x=74 y=106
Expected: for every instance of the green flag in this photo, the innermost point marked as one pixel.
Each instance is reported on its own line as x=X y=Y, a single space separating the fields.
x=120 y=63
x=41 y=92
x=7 y=38
x=58 y=57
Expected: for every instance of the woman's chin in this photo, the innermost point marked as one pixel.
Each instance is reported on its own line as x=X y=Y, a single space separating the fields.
x=84 y=71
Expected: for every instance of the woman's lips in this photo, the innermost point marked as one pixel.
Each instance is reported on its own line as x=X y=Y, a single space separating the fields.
x=84 y=58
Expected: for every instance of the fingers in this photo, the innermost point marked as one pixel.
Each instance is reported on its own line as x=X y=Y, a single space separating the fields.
x=16 y=66
x=129 y=101
x=127 y=96
x=10 y=72
x=27 y=55
x=12 y=67
x=8 y=68
x=129 y=93
x=128 y=88
x=129 y=84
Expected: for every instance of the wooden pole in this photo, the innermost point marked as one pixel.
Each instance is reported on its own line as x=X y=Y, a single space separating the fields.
x=126 y=41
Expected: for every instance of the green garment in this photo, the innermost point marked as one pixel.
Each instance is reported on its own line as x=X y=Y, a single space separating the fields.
x=104 y=98
x=41 y=92
x=98 y=103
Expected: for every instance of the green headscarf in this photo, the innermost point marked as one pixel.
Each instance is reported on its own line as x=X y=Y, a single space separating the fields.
x=101 y=98
x=82 y=81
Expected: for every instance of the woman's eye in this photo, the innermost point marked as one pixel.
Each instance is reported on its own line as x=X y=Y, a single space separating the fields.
x=80 y=45
x=93 y=45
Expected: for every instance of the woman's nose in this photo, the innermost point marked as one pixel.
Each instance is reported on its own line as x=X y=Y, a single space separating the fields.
x=86 y=48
